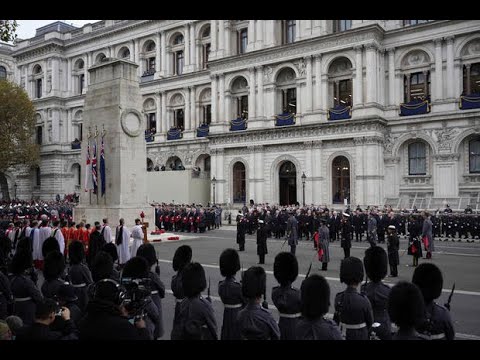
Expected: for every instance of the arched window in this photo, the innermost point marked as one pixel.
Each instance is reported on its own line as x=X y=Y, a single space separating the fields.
x=3 y=73
x=125 y=53
x=150 y=46
x=38 y=88
x=417 y=158
x=239 y=93
x=81 y=83
x=76 y=170
x=39 y=135
x=179 y=119
x=340 y=180
x=474 y=156
x=288 y=31
x=242 y=40
x=287 y=175
x=38 y=179
x=149 y=165
x=287 y=91
x=471 y=79
x=341 y=25
x=178 y=40
x=37 y=69
x=340 y=79
x=239 y=184
x=417 y=86
x=100 y=57
x=205 y=46
x=177 y=53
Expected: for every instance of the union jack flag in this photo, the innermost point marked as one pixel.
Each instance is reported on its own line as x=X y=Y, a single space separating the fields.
x=94 y=167
x=88 y=170
x=102 y=167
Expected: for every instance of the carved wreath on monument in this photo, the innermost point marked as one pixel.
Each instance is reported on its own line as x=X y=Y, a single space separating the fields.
x=131 y=122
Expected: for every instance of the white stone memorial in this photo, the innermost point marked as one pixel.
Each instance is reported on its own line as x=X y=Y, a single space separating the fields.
x=112 y=105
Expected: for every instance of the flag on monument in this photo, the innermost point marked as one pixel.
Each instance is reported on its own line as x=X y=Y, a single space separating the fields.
x=102 y=166
x=88 y=170
x=94 y=166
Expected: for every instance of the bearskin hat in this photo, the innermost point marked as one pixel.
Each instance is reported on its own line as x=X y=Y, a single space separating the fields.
x=376 y=263
x=102 y=267
x=405 y=305
x=351 y=271
x=111 y=249
x=285 y=268
x=193 y=279
x=429 y=279
x=76 y=252
x=54 y=265
x=136 y=268
x=22 y=260
x=24 y=243
x=315 y=295
x=50 y=244
x=183 y=255
x=254 y=282
x=229 y=262
x=147 y=251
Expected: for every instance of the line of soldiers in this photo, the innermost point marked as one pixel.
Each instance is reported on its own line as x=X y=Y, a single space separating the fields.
x=32 y=210
x=188 y=218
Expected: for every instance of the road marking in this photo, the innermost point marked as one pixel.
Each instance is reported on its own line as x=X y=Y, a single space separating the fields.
x=330 y=316
x=462 y=292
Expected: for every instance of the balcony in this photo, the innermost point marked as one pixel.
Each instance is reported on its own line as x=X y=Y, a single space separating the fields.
x=415 y=107
x=238 y=124
x=149 y=136
x=148 y=75
x=174 y=134
x=285 y=119
x=76 y=145
x=340 y=112
x=203 y=130
x=417 y=180
x=470 y=101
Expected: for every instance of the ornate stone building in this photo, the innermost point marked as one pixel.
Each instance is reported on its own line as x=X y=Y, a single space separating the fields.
x=371 y=111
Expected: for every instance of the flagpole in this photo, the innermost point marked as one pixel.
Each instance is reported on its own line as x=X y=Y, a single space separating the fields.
x=86 y=170
x=96 y=159
x=104 y=167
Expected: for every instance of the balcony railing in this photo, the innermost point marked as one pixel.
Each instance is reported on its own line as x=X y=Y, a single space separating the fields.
x=285 y=119
x=203 y=130
x=174 y=134
x=76 y=145
x=238 y=124
x=340 y=112
x=471 y=101
x=149 y=136
x=415 y=107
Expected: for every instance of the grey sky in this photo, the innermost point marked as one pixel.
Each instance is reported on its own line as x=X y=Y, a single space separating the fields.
x=26 y=28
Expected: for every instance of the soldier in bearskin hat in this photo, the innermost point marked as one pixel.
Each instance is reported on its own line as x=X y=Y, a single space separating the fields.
x=286 y=297
x=196 y=318
x=182 y=257
x=315 y=295
x=54 y=273
x=353 y=311
x=230 y=291
x=375 y=262
x=438 y=322
x=78 y=272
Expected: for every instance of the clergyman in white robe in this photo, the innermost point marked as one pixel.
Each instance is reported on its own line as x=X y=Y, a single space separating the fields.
x=122 y=249
x=137 y=235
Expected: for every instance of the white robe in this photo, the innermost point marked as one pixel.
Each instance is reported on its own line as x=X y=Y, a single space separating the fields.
x=137 y=234
x=60 y=239
x=107 y=233
x=44 y=233
x=27 y=231
x=36 y=248
x=122 y=249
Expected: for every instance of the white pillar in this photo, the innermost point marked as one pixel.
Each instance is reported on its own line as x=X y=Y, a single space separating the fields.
x=381 y=77
x=45 y=126
x=214 y=98
x=298 y=30
x=69 y=126
x=269 y=32
x=308 y=171
x=251 y=182
x=220 y=176
x=55 y=75
x=251 y=97
x=228 y=46
x=69 y=76
x=260 y=33
x=193 y=119
x=398 y=88
x=55 y=126
x=187 y=48
x=221 y=104
x=164 y=119
x=45 y=78
x=391 y=76
x=324 y=93
x=316 y=98
x=261 y=100
x=221 y=39
x=88 y=63
x=309 y=97
x=371 y=58
x=251 y=35
x=228 y=107
x=437 y=86
x=187 y=108
x=157 y=53
x=213 y=36
x=259 y=167
x=163 y=49
x=193 y=60
x=450 y=79
x=158 y=114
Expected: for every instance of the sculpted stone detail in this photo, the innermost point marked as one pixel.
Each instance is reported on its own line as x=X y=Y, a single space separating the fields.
x=49 y=84
x=267 y=74
x=445 y=138
x=207 y=95
x=473 y=47
x=389 y=142
x=415 y=58
x=177 y=100
x=447 y=157
x=391 y=160
x=149 y=104
x=301 y=66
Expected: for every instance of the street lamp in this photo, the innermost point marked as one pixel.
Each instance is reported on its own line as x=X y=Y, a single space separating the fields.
x=304 y=177
x=15 y=187
x=214 y=181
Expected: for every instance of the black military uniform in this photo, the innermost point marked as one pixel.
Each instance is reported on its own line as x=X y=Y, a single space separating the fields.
x=241 y=232
x=183 y=256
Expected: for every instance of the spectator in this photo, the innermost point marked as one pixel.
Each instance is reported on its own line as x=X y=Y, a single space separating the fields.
x=14 y=323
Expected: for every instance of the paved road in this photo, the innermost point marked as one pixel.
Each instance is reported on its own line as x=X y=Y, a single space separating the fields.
x=459 y=262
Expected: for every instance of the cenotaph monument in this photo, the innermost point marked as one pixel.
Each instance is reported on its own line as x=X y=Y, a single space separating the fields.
x=111 y=109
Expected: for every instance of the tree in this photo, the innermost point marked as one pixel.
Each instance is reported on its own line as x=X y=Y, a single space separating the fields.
x=8 y=30
x=17 y=127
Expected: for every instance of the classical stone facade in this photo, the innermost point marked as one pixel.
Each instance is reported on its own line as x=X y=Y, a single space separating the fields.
x=215 y=71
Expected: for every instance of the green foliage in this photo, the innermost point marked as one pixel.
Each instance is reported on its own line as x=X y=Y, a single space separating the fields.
x=8 y=30
x=17 y=127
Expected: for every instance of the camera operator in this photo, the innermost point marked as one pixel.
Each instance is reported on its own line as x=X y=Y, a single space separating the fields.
x=107 y=317
x=45 y=314
x=138 y=301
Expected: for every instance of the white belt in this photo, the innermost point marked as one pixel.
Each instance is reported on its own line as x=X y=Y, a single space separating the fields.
x=432 y=337
x=179 y=300
x=291 y=316
x=234 y=306
x=344 y=327
x=154 y=292
x=139 y=239
x=79 y=285
x=23 y=299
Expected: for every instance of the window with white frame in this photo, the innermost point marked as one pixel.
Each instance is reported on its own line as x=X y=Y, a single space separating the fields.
x=417 y=158
x=3 y=73
x=242 y=42
x=471 y=79
x=474 y=156
x=288 y=31
x=417 y=86
x=341 y=25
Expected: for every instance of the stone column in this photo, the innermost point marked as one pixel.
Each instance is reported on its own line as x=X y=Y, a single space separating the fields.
x=164 y=119
x=55 y=76
x=308 y=172
x=259 y=33
x=221 y=39
x=298 y=30
x=228 y=107
x=45 y=78
x=309 y=105
x=88 y=63
x=391 y=76
x=450 y=58
x=221 y=105
x=187 y=108
x=259 y=177
x=251 y=97
x=251 y=174
x=358 y=80
x=228 y=45
x=55 y=126
x=437 y=94
x=371 y=58
x=163 y=49
x=187 y=48
x=213 y=36
x=158 y=56
x=69 y=76
x=325 y=103
x=317 y=103
x=213 y=170
x=193 y=58
x=220 y=176
x=468 y=85
x=261 y=100
x=269 y=33
x=158 y=116
x=214 y=98
x=45 y=127
x=251 y=35
x=193 y=118
x=69 y=126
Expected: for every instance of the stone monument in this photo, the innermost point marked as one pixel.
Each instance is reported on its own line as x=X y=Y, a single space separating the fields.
x=112 y=106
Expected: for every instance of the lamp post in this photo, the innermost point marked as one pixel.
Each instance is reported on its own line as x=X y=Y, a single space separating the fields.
x=214 y=181
x=15 y=187
x=304 y=177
